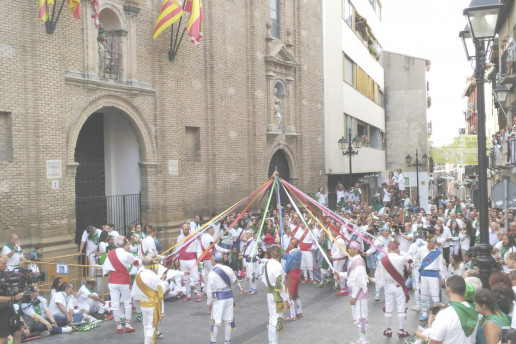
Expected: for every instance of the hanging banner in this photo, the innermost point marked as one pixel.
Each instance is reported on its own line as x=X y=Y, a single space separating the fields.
x=463 y=151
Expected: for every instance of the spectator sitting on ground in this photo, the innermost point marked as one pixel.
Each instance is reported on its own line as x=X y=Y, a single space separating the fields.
x=88 y=300
x=38 y=317
x=61 y=306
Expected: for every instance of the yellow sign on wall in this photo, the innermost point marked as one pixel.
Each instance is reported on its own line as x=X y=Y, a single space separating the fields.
x=463 y=151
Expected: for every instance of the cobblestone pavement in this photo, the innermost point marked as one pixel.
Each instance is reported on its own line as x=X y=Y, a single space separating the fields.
x=327 y=320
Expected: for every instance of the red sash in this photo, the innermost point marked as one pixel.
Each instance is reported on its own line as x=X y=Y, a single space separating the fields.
x=121 y=274
x=208 y=255
x=302 y=245
x=183 y=255
x=294 y=231
x=395 y=275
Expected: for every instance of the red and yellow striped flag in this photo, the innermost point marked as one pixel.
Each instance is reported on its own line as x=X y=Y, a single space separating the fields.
x=43 y=9
x=194 y=24
x=75 y=7
x=171 y=11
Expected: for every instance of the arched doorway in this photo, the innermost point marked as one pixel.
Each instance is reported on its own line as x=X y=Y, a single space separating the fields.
x=107 y=182
x=279 y=163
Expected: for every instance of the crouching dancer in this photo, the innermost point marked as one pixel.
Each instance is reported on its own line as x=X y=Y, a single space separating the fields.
x=220 y=297
x=357 y=283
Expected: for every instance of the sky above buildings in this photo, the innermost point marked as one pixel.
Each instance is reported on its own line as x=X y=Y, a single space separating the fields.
x=430 y=29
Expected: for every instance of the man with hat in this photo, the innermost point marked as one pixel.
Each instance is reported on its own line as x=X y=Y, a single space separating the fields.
x=148 y=245
x=276 y=297
x=389 y=274
x=147 y=290
x=117 y=263
x=90 y=239
x=379 y=248
x=220 y=297
x=357 y=283
x=432 y=271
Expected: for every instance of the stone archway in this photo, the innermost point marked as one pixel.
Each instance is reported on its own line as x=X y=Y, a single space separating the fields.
x=143 y=132
x=109 y=168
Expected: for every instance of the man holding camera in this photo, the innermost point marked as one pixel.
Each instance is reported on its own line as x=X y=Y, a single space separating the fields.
x=38 y=316
x=5 y=309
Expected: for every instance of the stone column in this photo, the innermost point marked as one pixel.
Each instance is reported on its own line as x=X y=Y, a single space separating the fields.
x=131 y=10
x=149 y=198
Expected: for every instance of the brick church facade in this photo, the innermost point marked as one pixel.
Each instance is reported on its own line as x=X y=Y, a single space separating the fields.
x=88 y=116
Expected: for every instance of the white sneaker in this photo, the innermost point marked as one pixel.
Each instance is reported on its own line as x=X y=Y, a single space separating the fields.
x=44 y=334
x=66 y=329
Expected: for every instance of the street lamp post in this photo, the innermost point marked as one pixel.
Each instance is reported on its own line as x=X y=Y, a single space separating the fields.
x=347 y=149
x=482 y=17
x=417 y=164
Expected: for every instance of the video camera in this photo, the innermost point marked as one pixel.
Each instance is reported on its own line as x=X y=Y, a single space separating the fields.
x=397 y=228
x=19 y=280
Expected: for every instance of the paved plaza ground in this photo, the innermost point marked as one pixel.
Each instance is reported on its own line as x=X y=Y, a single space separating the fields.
x=327 y=320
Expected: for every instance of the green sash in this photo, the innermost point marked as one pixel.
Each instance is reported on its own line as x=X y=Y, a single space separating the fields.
x=468 y=316
x=37 y=309
x=501 y=319
x=11 y=247
x=95 y=238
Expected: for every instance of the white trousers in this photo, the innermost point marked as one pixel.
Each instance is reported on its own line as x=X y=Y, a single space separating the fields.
x=360 y=312
x=92 y=259
x=429 y=288
x=206 y=270
x=91 y=306
x=251 y=273
x=416 y=285
x=454 y=249
x=394 y=295
x=295 y=307
x=121 y=293
x=338 y=265
x=307 y=264
x=148 y=326
x=186 y=265
x=273 y=319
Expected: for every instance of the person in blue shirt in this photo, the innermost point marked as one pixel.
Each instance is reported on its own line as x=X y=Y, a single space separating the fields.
x=293 y=271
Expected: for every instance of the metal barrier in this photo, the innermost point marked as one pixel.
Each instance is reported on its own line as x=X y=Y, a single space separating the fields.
x=68 y=268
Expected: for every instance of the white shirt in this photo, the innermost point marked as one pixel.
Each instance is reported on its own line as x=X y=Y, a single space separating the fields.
x=404 y=243
x=83 y=297
x=401 y=182
x=437 y=264
x=446 y=234
x=15 y=259
x=148 y=246
x=340 y=194
x=192 y=242
x=91 y=245
x=60 y=297
x=336 y=251
x=447 y=329
x=150 y=279
x=274 y=270
x=216 y=283
x=386 y=195
x=126 y=258
x=382 y=277
x=322 y=198
x=115 y=235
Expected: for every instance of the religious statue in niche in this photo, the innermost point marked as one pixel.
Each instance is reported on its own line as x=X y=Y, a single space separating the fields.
x=277 y=110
